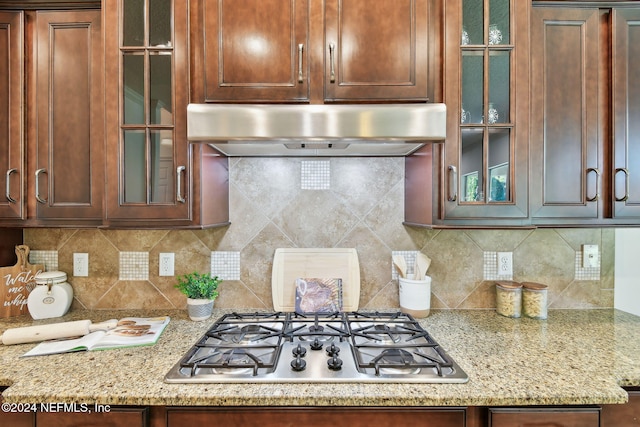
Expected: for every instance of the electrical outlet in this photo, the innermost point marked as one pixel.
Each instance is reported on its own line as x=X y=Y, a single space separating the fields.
x=505 y=263
x=590 y=256
x=166 y=264
x=81 y=264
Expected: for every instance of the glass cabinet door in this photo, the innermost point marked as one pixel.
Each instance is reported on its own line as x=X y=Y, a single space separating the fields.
x=485 y=112
x=481 y=150
x=151 y=54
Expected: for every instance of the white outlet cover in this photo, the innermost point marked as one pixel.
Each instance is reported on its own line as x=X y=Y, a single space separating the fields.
x=166 y=264
x=81 y=264
x=505 y=263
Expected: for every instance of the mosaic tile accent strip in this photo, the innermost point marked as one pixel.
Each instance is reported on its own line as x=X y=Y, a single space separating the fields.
x=316 y=175
x=410 y=259
x=225 y=265
x=490 y=268
x=134 y=266
x=592 y=273
x=48 y=258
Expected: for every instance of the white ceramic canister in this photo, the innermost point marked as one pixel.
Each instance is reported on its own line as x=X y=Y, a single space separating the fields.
x=51 y=297
x=415 y=296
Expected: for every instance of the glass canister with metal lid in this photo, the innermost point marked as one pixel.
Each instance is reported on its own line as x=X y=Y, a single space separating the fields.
x=534 y=300
x=509 y=298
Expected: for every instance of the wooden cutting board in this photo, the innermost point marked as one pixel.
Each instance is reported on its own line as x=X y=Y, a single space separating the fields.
x=16 y=282
x=290 y=264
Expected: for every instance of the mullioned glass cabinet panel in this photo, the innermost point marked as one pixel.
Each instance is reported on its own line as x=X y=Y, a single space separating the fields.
x=485 y=119
x=148 y=113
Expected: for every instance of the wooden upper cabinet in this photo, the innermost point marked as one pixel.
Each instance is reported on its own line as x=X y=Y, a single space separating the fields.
x=375 y=50
x=12 y=153
x=585 y=151
x=567 y=128
x=309 y=51
x=481 y=170
x=51 y=117
x=155 y=178
x=148 y=157
x=626 y=113
x=68 y=136
x=256 y=50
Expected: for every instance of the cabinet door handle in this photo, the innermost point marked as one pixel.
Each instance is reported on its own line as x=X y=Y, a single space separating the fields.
x=332 y=71
x=597 y=195
x=626 y=184
x=453 y=184
x=38 y=173
x=179 y=195
x=300 y=51
x=9 y=173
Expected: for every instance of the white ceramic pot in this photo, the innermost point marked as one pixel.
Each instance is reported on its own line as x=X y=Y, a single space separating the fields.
x=51 y=297
x=415 y=296
x=199 y=309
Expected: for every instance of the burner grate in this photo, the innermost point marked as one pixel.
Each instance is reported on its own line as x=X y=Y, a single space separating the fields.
x=395 y=342
x=238 y=342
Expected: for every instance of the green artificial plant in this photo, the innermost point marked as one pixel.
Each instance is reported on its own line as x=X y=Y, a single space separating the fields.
x=199 y=286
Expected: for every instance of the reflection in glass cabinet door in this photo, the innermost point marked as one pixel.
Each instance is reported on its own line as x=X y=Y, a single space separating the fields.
x=471 y=165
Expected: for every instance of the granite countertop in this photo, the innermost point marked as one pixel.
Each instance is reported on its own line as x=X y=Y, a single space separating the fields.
x=574 y=357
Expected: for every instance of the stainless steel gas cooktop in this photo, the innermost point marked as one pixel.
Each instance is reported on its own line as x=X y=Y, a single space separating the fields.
x=317 y=347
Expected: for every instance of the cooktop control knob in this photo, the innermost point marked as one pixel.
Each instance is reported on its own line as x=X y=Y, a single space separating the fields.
x=298 y=364
x=316 y=344
x=335 y=363
x=332 y=350
x=299 y=351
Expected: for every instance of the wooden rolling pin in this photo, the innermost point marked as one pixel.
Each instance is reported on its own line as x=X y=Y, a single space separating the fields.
x=52 y=331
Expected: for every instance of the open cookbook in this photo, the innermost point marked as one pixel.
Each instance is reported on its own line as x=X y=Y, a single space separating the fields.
x=129 y=332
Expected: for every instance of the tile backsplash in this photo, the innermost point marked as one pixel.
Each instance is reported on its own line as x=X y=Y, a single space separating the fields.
x=336 y=202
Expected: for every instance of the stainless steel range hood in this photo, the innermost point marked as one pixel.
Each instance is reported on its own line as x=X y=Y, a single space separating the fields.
x=244 y=130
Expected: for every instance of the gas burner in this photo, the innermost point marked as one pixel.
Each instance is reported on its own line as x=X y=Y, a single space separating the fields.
x=317 y=328
x=245 y=334
x=395 y=361
x=231 y=362
x=246 y=330
x=380 y=333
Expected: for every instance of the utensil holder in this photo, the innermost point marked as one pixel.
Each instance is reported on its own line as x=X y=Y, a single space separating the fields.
x=415 y=296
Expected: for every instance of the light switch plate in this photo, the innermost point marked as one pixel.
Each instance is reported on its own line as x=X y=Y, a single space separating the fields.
x=590 y=256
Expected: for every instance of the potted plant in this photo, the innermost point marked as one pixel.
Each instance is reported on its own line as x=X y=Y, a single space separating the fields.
x=201 y=291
